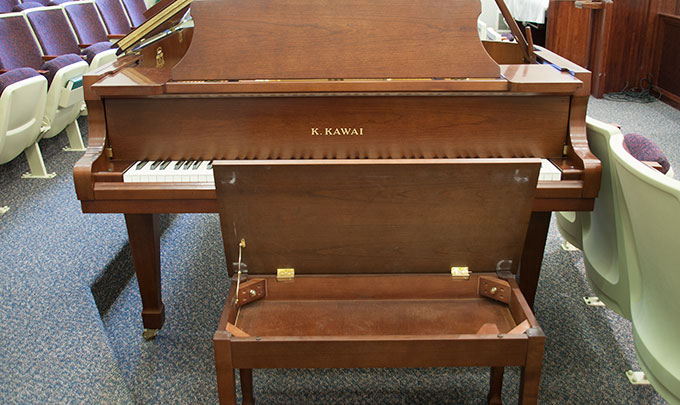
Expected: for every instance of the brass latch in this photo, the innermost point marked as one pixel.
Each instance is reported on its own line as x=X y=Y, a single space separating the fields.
x=460 y=273
x=285 y=274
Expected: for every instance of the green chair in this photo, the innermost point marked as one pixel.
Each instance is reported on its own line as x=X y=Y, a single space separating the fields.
x=650 y=212
x=599 y=233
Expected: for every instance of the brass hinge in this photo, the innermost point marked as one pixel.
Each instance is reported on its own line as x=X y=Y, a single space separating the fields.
x=285 y=274
x=565 y=150
x=460 y=273
x=109 y=152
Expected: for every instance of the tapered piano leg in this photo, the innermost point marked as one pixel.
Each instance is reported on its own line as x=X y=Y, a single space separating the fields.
x=144 y=236
x=495 y=386
x=532 y=255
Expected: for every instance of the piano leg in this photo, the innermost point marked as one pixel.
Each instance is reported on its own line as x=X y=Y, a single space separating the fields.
x=532 y=255
x=144 y=236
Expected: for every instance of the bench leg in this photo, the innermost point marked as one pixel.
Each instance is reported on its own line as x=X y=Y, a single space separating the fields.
x=531 y=372
x=247 y=386
x=226 y=381
x=496 y=386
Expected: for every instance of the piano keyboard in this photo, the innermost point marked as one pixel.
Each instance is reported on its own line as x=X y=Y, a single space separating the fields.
x=183 y=171
x=169 y=171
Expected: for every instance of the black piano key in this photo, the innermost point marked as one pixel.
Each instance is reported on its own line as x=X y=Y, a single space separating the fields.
x=188 y=164
x=155 y=164
x=196 y=165
x=210 y=165
x=141 y=165
x=164 y=164
x=179 y=164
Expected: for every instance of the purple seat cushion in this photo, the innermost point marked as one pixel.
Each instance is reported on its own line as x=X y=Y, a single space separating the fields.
x=6 y=5
x=53 y=31
x=135 y=10
x=25 y=6
x=114 y=16
x=53 y=66
x=17 y=46
x=94 y=49
x=86 y=22
x=643 y=149
x=16 y=75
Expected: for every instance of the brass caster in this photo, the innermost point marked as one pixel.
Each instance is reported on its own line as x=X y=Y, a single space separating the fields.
x=149 y=334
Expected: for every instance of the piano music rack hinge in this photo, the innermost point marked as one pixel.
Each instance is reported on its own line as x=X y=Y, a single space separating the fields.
x=283 y=274
x=109 y=152
x=460 y=273
x=565 y=150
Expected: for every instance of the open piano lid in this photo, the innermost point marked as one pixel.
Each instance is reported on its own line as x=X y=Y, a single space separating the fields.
x=329 y=39
x=375 y=216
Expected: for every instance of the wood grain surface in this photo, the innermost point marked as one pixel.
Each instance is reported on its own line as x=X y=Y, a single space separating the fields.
x=287 y=39
x=376 y=216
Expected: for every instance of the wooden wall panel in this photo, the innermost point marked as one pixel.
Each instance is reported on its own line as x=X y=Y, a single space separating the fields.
x=619 y=48
x=667 y=58
x=567 y=31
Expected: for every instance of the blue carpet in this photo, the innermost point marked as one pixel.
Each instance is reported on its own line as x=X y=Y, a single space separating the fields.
x=71 y=326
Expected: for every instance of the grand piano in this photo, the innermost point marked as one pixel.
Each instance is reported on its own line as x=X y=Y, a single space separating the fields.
x=323 y=79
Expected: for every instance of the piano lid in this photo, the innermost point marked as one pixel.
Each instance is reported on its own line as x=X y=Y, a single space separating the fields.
x=326 y=39
x=163 y=16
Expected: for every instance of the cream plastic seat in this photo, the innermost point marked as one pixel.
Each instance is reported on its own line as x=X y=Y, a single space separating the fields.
x=651 y=216
x=20 y=48
x=22 y=105
x=599 y=233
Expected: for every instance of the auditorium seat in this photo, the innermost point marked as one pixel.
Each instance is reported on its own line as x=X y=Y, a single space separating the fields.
x=116 y=21
x=7 y=5
x=23 y=94
x=18 y=48
x=135 y=10
x=57 y=37
x=651 y=214
x=86 y=21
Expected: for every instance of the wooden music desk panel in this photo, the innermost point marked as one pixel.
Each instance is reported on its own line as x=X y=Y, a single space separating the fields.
x=376 y=249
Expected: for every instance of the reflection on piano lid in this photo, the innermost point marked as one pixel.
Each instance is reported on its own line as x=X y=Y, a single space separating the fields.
x=189 y=171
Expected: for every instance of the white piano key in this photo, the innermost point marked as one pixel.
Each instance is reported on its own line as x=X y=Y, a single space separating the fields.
x=131 y=174
x=549 y=172
x=206 y=173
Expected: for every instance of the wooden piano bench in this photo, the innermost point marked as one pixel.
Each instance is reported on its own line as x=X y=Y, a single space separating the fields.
x=378 y=321
x=376 y=263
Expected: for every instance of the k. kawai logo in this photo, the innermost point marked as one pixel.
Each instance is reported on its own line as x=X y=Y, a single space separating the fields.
x=337 y=131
